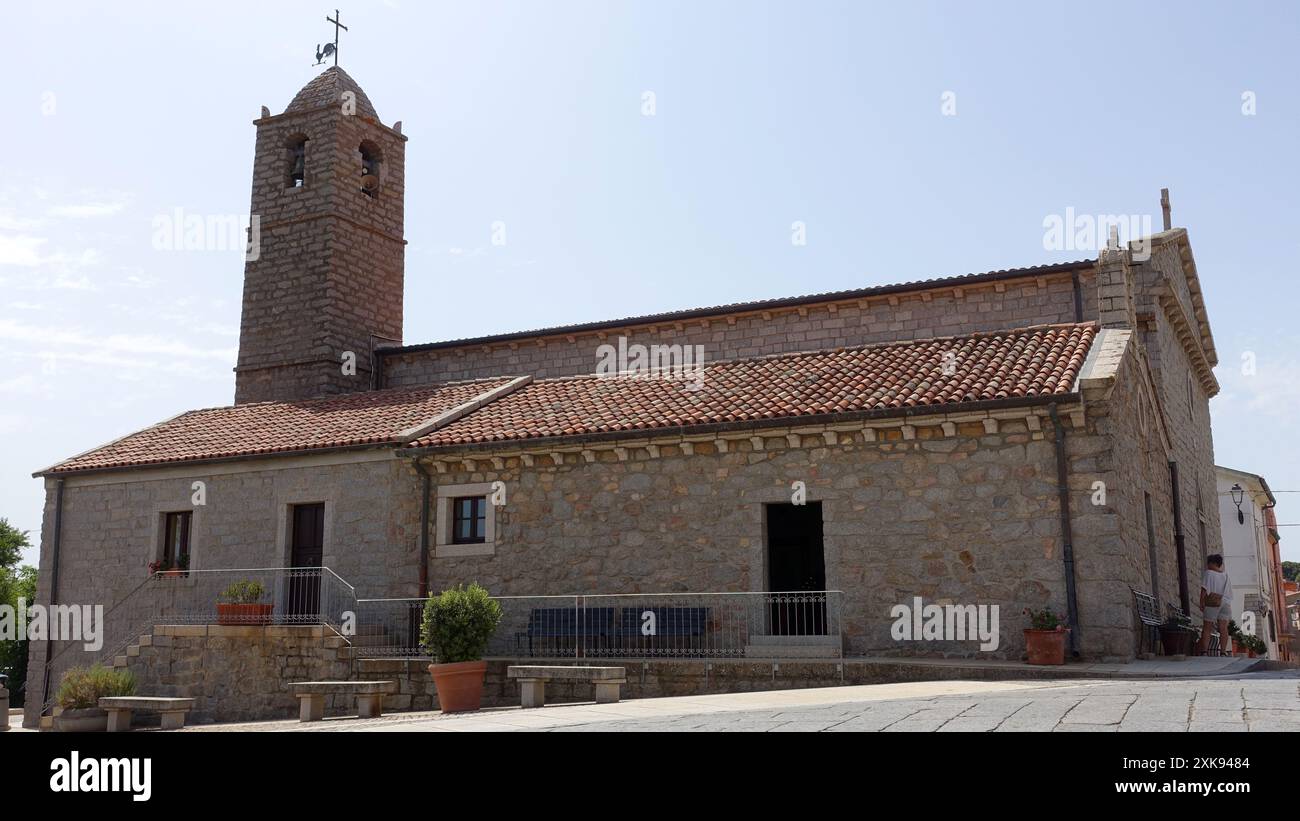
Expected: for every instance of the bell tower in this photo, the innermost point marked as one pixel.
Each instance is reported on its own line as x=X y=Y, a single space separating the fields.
x=323 y=276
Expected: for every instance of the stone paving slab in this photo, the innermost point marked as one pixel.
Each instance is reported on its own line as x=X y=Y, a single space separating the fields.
x=1198 y=704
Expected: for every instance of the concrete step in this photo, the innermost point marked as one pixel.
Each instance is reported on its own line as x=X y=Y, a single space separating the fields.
x=803 y=647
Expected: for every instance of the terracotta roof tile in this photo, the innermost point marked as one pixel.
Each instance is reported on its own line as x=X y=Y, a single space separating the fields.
x=372 y=417
x=917 y=374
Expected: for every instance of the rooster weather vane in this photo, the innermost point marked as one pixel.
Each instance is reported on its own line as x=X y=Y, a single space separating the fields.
x=330 y=49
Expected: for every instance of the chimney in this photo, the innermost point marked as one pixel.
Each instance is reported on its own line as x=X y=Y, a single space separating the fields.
x=1164 y=208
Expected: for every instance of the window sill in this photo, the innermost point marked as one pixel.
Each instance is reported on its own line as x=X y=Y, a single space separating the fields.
x=456 y=551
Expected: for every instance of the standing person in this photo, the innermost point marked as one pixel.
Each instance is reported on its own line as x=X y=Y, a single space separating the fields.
x=1216 y=604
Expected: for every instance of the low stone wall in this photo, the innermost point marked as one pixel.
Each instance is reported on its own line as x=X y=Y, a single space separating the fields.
x=657 y=678
x=238 y=673
x=244 y=673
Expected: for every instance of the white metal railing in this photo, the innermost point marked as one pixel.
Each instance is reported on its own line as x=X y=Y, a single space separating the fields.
x=633 y=625
x=289 y=595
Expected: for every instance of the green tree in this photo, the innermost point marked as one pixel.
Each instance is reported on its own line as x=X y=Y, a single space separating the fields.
x=15 y=583
x=1291 y=571
x=12 y=542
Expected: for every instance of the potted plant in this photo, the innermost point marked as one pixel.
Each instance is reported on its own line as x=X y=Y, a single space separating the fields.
x=240 y=603
x=457 y=625
x=168 y=570
x=1238 y=639
x=1256 y=647
x=79 y=693
x=1045 y=637
x=1176 y=635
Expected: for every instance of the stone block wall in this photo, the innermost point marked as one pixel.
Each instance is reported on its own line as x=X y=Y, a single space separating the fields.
x=1166 y=308
x=328 y=277
x=239 y=673
x=112 y=527
x=1015 y=303
x=970 y=517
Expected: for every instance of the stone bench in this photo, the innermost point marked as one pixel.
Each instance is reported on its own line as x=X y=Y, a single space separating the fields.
x=120 y=708
x=532 y=680
x=311 y=697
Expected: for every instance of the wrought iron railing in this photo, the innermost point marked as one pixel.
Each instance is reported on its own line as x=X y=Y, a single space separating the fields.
x=652 y=625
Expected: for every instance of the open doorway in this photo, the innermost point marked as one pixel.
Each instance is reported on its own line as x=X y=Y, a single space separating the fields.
x=796 y=570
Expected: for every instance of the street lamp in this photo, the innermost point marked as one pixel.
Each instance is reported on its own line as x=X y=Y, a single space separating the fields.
x=1238 y=494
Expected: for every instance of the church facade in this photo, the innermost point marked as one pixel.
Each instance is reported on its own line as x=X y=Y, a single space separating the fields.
x=1026 y=438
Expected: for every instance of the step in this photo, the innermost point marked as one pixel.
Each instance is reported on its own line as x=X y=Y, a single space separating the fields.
x=811 y=647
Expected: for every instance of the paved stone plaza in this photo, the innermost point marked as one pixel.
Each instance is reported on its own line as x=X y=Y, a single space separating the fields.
x=1254 y=702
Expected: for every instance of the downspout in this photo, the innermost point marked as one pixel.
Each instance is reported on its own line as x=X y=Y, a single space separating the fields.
x=1078 y=297
x=424 y=527
x=1067 y=534
x=1179 y=541
x=55 y=540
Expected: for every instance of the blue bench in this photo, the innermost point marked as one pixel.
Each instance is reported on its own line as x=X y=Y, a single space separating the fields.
x=674 y=622
x=567 y=623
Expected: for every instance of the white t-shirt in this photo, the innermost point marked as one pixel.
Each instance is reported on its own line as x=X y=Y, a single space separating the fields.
x=1216 y=581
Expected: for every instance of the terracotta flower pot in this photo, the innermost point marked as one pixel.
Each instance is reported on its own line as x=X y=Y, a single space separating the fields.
x=1046 y=646
x=460 y=685
x=1176 y=641
x=244 y=614
x=87 y=720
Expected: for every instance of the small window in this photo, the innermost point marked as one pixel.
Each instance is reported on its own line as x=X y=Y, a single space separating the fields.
x=176 y=541
x=469 y=520
x=1191 y=403
x=297 y=162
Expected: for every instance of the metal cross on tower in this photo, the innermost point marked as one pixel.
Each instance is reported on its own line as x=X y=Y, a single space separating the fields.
x=331 y=49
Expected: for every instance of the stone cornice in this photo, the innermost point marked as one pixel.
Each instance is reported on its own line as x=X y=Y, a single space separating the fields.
x=871 y=425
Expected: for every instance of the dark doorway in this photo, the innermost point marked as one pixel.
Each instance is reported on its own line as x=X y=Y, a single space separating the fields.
x=307 y=549
x=796 y=570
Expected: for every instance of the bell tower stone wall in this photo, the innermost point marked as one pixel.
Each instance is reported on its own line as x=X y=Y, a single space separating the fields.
x=324 y=277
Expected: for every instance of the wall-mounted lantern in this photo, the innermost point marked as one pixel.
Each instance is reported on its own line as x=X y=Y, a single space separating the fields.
x=1238 y=494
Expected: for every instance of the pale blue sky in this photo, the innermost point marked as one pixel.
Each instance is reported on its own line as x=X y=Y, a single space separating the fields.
x=531 y=114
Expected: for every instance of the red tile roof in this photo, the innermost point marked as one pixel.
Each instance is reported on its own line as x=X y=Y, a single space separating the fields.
x=927 y=373
x=922 y=374
x=369 y=418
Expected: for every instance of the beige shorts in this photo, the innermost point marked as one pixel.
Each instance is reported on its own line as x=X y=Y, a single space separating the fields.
x=1221 y=613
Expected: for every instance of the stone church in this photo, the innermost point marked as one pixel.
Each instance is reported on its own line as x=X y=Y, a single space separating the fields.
x=1033 y=437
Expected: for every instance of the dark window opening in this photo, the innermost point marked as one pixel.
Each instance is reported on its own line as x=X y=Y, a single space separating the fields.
x=469 y=520
x=176 y=541
x=297 y=175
